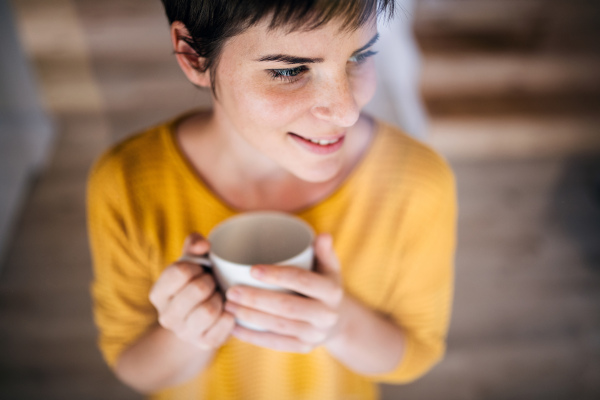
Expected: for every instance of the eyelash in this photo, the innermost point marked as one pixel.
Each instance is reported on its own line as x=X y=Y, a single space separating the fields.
x=288 y=74
x=292 y=74
x=362 y=57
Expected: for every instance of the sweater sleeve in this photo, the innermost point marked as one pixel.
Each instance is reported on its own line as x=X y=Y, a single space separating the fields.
x=420 y=299
x=122 y=310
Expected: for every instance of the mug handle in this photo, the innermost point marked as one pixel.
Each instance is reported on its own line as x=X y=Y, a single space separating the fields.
x=201 y=260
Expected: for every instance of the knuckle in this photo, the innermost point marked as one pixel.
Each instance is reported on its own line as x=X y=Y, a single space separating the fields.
x=329 y=319
x=183 y=336
x=282 y=325
x=217 y=298
x=315 y=337
x=202 y=344
x=287 y=305
x=217 y=335
x=196 y=322
x=211 y=341
x=228 y=321
x=336 y=295
x=213 y=309
x=196 y=291
x=320 y=336
x=220 y=341
x=182 y=270
x=166 y=321
x=302 y=277
x=202 y=286
x=153 y=297
x=249 y=297
x=333 y=319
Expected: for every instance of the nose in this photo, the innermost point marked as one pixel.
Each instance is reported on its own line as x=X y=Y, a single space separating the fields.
x=334 y=102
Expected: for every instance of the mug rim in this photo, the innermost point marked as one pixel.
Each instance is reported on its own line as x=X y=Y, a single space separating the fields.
x=257 y=214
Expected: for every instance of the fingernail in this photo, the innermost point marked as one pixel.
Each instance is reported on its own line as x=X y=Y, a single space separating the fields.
x=257 y=271
x=234 y=294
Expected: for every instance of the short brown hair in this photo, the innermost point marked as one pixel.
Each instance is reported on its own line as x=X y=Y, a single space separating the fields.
x=211 y=22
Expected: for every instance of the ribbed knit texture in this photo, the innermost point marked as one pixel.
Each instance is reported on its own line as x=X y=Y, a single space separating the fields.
x=393 y=224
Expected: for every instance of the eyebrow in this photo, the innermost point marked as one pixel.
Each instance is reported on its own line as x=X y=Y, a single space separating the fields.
x=290 y=59
x=306 y=60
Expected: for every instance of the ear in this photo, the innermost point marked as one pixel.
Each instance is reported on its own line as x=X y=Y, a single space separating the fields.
x=188 y=61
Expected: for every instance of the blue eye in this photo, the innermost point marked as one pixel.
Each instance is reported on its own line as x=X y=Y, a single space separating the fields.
x=362 y=57
x=288 y=74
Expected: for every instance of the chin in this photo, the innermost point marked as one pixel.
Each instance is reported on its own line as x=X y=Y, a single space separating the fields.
x=318 y=174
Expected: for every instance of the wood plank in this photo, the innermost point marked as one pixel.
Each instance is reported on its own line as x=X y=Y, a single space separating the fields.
x=444 y=26
x=528 y=370
x=516 y=104
x=520 y=137
x=484 y=75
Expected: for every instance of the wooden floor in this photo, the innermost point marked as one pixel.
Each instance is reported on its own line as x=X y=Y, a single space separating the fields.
x=526 y=321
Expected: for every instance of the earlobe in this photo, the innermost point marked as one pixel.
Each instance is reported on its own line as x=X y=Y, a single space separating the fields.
x=188 y=60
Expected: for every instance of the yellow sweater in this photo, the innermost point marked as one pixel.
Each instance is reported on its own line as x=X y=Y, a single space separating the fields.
x=393 y=224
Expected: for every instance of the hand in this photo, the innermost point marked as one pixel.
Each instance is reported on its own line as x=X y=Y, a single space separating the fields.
x=187 y=302
x=294 y=323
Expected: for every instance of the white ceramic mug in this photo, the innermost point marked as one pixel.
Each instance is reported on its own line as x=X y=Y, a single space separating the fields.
x=261 y=237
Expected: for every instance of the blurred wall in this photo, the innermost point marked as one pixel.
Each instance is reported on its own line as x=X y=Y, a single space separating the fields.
x=25 y=130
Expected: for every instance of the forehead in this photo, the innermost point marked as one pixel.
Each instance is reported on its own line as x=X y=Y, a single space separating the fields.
x=328 y=39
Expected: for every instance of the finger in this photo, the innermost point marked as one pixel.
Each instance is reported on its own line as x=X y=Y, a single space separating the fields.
x=286 y=305
x=271 y=340
x=187 y=299
x=205 y=315
x=303 y=331
x=176 y=276
x=327 y=261
x=308 y=283
x=219 y=332
x=196 y=244
x=171 y=281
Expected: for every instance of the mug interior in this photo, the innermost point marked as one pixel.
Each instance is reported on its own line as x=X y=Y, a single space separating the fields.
x=260 y=238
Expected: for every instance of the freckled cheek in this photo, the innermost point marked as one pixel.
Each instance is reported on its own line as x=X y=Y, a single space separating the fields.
x=273 y=107
x=244 y=96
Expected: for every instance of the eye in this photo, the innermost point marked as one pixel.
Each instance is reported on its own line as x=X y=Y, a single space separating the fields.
x=362 y=57
x=288 y=74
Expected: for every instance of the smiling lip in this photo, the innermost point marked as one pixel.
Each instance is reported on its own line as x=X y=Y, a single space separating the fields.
x=323 y=145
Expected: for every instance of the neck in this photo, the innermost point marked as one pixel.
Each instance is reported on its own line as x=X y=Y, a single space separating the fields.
x=244 y=177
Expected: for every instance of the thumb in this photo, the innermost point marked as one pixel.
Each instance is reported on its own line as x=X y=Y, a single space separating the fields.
x=195 y=244
x=327 y=261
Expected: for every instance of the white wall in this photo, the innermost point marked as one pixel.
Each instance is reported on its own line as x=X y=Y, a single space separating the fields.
x=398 y=98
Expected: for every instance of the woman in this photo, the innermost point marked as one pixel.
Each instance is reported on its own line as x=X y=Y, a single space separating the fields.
x=288 y=81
